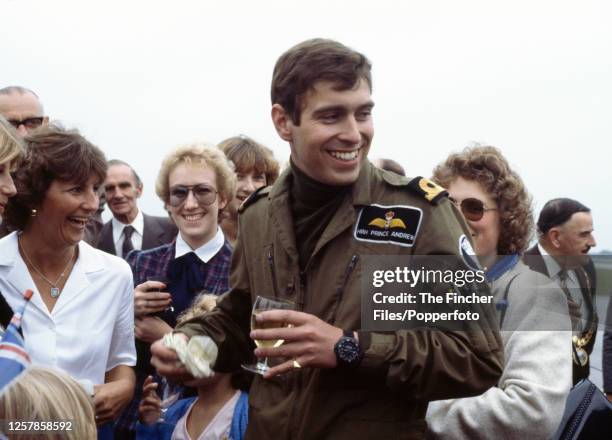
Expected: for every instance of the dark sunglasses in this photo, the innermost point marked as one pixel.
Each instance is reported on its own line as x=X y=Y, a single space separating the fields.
x=471 y=208
x=29 y=123
x=204 y=194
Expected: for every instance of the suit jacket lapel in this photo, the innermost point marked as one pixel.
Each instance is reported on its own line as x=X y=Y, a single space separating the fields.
x=151 y=232
x=534 y=259
x=106 y=242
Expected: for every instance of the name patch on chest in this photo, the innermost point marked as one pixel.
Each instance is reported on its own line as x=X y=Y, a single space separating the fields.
x=389 y=224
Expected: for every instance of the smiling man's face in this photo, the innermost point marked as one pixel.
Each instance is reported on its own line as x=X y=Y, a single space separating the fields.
x=335 y=132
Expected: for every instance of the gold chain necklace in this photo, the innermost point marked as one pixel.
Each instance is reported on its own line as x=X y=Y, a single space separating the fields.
x=580 y=355
x=55 y=291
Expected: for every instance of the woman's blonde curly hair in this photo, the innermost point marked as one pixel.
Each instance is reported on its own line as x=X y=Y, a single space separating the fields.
x=487 y=166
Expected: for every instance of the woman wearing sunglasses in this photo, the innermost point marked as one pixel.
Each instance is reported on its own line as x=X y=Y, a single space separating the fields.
x=529 y=400
x=195 y=183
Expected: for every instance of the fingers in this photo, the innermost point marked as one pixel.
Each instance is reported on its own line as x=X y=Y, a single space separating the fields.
x=283 y=317
x=165 y=354
x=160 y=302
x=151 y=285
x=149 y=387
x=147 y=301
x=285 y=367
x=149 y=410
x=283 y=333
x=292 y=350
x=151 y=402
x=167 y=363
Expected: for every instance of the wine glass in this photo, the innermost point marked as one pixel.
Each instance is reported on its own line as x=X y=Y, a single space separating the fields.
x=262 y=304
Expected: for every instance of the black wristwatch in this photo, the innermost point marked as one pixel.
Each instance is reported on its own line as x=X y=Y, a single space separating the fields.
x=347 y=349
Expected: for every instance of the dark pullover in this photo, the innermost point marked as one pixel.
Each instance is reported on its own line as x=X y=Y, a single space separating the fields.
x=313 y=204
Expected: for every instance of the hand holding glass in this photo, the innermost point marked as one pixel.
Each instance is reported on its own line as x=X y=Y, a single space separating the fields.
x=263 y=304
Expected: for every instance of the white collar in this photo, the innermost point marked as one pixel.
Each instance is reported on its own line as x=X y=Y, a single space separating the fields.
x=204 y=252
x=552 y=266
x=137 y=224
x=88 y=260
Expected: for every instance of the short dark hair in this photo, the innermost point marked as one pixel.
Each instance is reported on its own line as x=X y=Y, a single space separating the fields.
x=299 y=68
x=247 y=155
x=52 y=153
x=113 y=162
x=557 y=211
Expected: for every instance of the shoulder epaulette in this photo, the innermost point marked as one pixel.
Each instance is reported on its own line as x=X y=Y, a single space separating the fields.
x=430 y=191
x=255 y=196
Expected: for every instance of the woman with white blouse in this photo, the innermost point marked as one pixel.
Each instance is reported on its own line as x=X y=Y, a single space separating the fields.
x=81 y=317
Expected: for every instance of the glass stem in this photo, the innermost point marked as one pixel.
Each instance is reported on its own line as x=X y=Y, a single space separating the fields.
x=263 y=365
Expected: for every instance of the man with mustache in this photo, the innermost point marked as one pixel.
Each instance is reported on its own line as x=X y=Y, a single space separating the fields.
x=565 y=229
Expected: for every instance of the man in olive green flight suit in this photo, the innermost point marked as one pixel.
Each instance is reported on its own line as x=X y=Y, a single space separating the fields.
x=303 y=240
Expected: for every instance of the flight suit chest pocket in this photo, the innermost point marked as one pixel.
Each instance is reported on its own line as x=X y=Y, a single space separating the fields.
x=278 y=276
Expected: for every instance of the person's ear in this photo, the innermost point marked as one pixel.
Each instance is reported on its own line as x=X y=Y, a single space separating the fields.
x=139 y=190
x=282 y=122
x=222 y=202
x=553 y=236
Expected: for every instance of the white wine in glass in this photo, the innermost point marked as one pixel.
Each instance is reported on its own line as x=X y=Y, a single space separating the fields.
x=263 y=304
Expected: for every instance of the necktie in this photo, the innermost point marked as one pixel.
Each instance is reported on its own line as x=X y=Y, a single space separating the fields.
x=573 y=306
x=127 y=241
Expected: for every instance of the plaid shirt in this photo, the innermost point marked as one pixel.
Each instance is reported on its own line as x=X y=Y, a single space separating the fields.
x=154 y=262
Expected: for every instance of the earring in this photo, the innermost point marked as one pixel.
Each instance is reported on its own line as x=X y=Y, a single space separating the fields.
x=33 y=213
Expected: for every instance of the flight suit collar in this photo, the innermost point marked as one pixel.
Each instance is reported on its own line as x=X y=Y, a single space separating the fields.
x=282 y=217
x=363 y=189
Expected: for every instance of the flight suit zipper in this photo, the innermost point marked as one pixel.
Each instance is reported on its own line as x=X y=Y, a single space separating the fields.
x=340 y=291
x=272 y=271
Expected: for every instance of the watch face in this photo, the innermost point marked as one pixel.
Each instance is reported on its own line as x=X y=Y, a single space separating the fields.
x=348 y=351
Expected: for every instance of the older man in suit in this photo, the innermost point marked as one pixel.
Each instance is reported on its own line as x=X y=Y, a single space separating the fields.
x=565 y=229
x=130 y=228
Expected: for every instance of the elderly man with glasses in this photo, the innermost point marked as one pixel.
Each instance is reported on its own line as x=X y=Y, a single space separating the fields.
x=22 y=108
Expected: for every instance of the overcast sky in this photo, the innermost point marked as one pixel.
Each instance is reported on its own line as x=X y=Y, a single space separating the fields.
x=532 y=77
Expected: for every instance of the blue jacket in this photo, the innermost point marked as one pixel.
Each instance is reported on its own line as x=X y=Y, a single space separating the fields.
x=163 y=430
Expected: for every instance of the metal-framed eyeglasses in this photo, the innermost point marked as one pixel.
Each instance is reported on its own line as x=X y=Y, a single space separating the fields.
x=204 y=194
x=472 y=209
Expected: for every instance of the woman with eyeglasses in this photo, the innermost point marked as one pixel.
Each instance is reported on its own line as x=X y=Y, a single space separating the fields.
x=195 y=183
x=529 y=399
x=80 y=318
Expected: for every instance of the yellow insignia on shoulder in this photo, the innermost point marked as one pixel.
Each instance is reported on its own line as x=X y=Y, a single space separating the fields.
x=427 y=189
